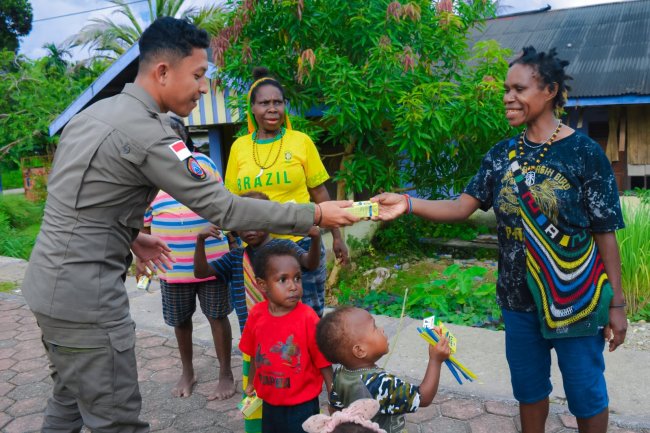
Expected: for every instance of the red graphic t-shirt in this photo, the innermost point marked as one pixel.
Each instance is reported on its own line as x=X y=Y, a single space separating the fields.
x=286 y=357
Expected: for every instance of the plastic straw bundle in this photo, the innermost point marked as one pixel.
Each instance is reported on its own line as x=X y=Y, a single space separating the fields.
x=456 y=368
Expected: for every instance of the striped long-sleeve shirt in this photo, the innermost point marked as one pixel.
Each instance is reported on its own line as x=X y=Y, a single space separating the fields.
x=178 y=226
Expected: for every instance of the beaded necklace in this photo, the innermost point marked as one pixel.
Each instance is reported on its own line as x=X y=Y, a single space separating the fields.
x=256 y=153
x=530 y=170
x=358 y=370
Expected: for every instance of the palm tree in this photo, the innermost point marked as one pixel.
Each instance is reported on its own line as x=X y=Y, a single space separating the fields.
x=55 y=57
x=108 y=39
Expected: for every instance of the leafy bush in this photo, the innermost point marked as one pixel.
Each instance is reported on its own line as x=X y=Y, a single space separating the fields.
x=464 y=295
x=19 y=223
x=403 y=236
x=19 y=212
x=11 y=178
x=634 y=245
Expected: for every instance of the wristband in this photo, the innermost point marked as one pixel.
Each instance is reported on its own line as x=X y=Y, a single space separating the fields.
x=320 y=217
x=409 y=204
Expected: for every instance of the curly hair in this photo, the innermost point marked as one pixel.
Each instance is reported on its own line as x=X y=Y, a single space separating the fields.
x=551 y=71
x=264 y=255
x=332 y=336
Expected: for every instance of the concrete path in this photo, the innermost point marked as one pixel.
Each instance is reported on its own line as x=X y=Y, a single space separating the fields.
x=483 y=406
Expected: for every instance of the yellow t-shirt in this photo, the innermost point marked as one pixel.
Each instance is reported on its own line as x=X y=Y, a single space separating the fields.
x=296 y=166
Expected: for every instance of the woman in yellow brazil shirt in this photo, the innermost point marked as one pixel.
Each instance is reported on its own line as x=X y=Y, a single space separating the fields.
x=285 y=165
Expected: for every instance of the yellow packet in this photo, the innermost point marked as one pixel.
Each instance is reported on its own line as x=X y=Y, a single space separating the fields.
x=249 y=405
x=144 y=282
x=364 y=209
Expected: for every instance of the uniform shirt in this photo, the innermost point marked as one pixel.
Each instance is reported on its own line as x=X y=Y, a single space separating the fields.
x=573 y=184
x=111 y=160
x=178 y=226
x=230 y=269
x=285 y=353
x=298 y=167
x=395 y=396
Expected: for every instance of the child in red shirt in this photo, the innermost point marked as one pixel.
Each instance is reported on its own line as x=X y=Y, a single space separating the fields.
x=280 y=337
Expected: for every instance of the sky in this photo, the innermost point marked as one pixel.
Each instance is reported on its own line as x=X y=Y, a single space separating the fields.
x=58 y=30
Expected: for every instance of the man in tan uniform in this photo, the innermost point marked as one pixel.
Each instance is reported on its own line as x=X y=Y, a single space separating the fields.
x=112 y=159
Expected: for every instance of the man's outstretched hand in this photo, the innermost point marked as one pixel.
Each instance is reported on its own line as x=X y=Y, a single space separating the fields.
x=333 y=214
x=153 y=252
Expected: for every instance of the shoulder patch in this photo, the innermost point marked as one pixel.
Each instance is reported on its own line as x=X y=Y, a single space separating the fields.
x=180 y=150
x=195 y=168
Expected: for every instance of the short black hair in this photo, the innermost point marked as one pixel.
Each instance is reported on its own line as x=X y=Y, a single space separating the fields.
x=172 y=36
x=264 y=255
x=259 y=195
x=550 y=69
x=331 y=334
x=351 y=427
x=262 y=72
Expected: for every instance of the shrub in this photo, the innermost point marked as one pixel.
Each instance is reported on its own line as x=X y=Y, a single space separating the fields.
x=19 y=223
x=11 y=178
x=634 y=245
x=403 y=236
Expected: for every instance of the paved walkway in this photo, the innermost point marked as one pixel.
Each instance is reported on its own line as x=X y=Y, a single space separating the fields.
x=25 y=383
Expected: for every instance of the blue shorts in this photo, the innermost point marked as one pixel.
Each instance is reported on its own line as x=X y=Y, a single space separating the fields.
x=313 y=282
x=580 y=360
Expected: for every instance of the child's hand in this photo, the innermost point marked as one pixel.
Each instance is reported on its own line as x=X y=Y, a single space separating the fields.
x=440 y=352
x=211 y=231
x=250 y=390
x=314 y=232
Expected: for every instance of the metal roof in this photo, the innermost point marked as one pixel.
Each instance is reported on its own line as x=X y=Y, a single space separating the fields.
x=607 y=45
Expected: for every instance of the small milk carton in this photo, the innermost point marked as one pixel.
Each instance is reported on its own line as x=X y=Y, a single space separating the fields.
x=431 y=323
x=249 y=405
x=364 y=209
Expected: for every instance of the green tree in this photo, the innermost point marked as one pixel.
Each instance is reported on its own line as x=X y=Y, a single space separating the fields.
x=404 y=97
x=34 y=93
x=110 y=39
x=15 y=21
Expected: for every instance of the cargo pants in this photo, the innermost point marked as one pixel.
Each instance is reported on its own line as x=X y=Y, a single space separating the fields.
x=95 y=377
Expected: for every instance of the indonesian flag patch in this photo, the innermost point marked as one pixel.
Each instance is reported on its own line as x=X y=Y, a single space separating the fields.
x=180 y=150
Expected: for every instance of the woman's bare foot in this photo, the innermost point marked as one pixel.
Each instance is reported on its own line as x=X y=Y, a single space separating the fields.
x=184 y=386
x=225 y=387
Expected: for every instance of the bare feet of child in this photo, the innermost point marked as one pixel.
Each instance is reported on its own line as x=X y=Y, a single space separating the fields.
x=184 y=386
x=225 y=388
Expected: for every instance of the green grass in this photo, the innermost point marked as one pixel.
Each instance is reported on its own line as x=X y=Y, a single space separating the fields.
x=20 y=221
x=11 y=179
x=634 y=245
x=460 y=294
x=7 y=286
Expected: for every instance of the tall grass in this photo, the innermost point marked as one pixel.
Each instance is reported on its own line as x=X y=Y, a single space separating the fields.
x=634 y=244
x=19 y=223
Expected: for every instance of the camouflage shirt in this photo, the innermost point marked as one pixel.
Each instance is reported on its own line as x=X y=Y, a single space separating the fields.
x=573 y=184
x=395 y=396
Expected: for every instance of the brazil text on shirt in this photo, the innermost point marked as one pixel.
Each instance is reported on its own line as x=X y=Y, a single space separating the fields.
x=266 y=179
